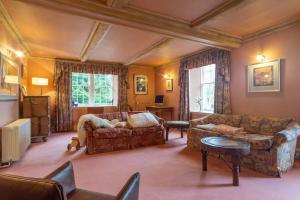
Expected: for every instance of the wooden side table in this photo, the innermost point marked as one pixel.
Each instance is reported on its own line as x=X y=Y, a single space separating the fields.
x=182 y=125
x=160 y=110
x=225 y=146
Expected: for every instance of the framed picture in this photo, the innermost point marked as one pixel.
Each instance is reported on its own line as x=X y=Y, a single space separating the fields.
x=264 y=77
x=140 y=84
x=9 y=79
x=169 y=85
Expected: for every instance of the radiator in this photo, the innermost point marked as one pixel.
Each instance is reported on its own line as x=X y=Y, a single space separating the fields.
x=15 y=139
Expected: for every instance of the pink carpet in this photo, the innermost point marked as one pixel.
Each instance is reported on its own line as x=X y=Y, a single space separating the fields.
x=169 y=172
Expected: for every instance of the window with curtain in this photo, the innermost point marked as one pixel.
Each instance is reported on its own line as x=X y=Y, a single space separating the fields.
x=202 y=89
x=94 y=89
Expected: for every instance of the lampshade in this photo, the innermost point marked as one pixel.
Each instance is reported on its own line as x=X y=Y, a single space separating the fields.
x=11 y=79
x=39 y=81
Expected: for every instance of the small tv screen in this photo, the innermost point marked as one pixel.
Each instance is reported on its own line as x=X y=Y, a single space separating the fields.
x=159 y=99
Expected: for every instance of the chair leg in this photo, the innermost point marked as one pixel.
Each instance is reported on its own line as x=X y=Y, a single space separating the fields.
x=181 y=130
x=167 y=133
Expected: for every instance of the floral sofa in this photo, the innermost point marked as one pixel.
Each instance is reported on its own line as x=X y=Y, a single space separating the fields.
x=272 y=140
x=113 y=139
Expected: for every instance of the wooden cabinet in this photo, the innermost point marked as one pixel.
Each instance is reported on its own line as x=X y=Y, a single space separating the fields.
x=37 y=108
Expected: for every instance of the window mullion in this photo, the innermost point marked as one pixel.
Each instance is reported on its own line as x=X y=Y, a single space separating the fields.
x=92 y=89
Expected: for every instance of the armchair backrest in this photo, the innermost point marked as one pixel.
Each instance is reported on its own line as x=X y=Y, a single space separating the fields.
x=131 y=189
x=23 y=188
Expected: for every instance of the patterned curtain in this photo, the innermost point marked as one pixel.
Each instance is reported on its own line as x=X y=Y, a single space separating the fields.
x=221 y=58
x=62 y=82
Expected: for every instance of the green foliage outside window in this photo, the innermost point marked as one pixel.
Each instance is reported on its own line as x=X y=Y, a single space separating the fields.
x=93 y=89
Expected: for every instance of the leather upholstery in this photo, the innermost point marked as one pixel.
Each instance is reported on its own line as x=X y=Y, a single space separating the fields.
x=65 y=176
x=59 y=185
x=131 y=190
x=23 y=188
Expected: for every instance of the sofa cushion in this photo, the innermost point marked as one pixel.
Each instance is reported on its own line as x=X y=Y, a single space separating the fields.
x=146 y=130
x=257 y=141
x=271 y=125
x=206 y=126
x=108 y=133
x=251 y=124
x=231 y=120
x=141 y=120
x=226 y=129
x=111 y=116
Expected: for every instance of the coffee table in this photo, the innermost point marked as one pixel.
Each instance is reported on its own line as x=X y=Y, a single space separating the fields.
x=225 y=146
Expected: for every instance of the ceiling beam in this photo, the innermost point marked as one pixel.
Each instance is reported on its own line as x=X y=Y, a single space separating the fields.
x=97 y=34
x=229 y=4
x=140 y=20
x=157 y=45
x=8 y=23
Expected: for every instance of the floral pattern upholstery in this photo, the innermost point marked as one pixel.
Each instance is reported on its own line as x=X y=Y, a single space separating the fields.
x=270 y=154
x=113 y=139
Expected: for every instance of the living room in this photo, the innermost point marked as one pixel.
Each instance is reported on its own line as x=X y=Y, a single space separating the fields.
x=82 y=76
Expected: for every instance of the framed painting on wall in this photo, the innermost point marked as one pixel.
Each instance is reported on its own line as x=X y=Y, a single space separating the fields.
x=264 y=77
x=140 y=84
x=9 y=79
x=169 y=85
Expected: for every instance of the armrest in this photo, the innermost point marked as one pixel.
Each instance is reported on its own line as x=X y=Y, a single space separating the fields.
x=89 y=126
x=64 y=175
x=286 y=135
x=160 y=120
x=199 y=121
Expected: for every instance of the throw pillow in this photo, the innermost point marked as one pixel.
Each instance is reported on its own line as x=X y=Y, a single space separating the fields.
x=225 y=129
x=140 y=120
x=206 y=126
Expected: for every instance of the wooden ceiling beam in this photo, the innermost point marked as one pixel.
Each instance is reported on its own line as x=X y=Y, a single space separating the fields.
x=97 y=34
x=140 y=20
x=229 y=4
x=157 y=45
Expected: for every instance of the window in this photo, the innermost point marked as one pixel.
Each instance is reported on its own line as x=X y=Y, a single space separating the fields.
x=202 y=89
x=94 y=89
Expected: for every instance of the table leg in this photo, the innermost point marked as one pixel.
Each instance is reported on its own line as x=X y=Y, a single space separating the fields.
x=167 y=133
x=204 y=160
x=235 y=170
x=181 y=130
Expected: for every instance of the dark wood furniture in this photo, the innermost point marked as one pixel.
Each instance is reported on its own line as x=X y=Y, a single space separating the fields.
x=160 y=110
x=182 y=125
x=224 y=146
x=37 y=108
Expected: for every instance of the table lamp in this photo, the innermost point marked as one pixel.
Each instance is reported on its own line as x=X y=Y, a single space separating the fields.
x=11 y=80
x=40 y=82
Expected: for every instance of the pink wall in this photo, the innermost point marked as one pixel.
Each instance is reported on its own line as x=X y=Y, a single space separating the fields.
x=283 y=45
x=171 y=98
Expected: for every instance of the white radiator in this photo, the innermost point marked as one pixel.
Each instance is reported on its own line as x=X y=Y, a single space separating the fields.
x=15 y=139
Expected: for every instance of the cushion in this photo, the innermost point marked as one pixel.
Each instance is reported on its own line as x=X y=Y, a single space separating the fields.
x=257 y=141
x=139 y=120
x=271 y=125
x=231 y=120
x=251 y=123
x=206 y=126
x=147 y=130
x=226 y=129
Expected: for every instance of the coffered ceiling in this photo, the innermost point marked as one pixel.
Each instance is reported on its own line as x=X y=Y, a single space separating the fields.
x=146 y=32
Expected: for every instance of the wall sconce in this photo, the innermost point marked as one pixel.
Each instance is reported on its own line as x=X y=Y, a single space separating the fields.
x=260 y=58
x=19 y=54
x=167 y=76
x=11 y=80
x=40 y=82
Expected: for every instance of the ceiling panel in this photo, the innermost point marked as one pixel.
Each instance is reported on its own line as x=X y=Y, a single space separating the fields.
x=49 y=33
x=175 y=49
x=121 y=43
x=182 y=9
x=253 y=15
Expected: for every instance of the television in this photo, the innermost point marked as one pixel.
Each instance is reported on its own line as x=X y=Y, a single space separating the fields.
x=159 y=100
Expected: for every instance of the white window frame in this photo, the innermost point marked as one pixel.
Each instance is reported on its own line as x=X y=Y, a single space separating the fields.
x=92 y=92
x=201 y=83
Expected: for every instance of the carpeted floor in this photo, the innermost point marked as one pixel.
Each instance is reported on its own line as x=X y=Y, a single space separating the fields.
x=169 y=172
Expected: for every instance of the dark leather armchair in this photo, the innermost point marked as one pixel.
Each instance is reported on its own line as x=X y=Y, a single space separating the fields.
x=60 y=185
